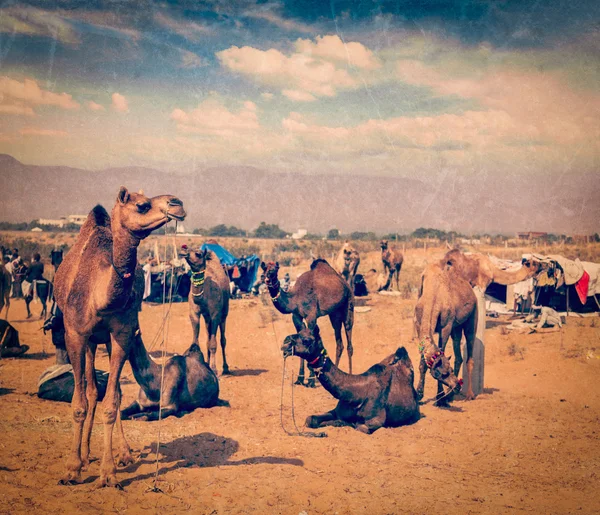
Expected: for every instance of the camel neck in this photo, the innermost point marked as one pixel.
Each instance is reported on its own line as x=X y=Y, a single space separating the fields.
x=339 y=384
x=124 y=251
x=146 y=372
x=281 y=299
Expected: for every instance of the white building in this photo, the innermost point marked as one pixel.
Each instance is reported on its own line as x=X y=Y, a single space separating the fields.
x=299 y=234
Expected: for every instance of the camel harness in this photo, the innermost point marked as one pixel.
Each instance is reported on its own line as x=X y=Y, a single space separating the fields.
x=198 y=282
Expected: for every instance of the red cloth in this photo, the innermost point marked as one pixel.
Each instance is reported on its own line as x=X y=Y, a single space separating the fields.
x=582 y=287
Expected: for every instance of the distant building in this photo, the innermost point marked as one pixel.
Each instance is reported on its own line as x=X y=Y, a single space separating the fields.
x=63 y=220
x=299 y=234
x=37 y=229
x=532 y=235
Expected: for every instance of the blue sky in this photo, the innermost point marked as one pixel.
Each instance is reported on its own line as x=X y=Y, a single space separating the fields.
x=365 y=87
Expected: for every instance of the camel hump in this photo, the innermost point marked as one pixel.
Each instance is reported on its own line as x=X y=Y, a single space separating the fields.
x=99 y=217
x=316 y=263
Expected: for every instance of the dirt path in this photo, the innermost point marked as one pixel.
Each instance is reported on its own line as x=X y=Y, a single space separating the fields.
x=529 y=443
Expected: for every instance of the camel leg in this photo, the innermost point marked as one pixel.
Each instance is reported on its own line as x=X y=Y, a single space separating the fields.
x=76 y=345
x=348 y=325
x=444 y=335
x=110 y=407
x=458 y=359
x=124 y=453
x=211 y=327
x=336 y=322
x=91 y=394
x=315 y=421
x=422 y=374
x=470 y=329
x=398 y=278
x=372 y=424
x=298 y=325
x=223 y=345
x=195 y=320
x=27 y=302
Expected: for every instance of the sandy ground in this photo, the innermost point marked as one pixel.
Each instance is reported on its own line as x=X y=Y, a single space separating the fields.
x=530 y=442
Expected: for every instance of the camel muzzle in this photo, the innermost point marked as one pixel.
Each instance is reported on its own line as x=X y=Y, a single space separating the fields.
x=288 y=346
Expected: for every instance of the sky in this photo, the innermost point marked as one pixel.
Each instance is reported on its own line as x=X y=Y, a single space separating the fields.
x=392 y=88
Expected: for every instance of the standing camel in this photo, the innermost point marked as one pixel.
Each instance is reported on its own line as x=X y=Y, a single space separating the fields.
x=392 y=260
x=5 y=284
x=209 y=297
x=351 y=262
x=479 y=270
x=97 y=286
x=319 y=292
x=447 y=306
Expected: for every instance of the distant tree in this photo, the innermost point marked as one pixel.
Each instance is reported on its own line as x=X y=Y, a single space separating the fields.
x=596 y=237
x=222 y=230
x=358 y=235
x=333 y=234
x=269 y=231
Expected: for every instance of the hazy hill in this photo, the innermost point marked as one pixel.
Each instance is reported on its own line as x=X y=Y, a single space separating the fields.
x=245 y=196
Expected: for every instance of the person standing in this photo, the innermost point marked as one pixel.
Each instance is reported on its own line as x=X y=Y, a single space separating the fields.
x=34 y=283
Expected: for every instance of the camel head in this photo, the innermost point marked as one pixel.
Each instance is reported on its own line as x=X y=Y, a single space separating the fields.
x=439 y=366
x=306 y=344
x=197 y=259
x=270 y=269
x=383 y=244
x=141 y=215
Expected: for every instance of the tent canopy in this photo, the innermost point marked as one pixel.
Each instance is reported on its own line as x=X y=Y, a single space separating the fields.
x=247 y=267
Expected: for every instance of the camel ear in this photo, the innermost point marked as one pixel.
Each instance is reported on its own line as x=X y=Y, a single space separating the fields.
x=276 y=265
x=141 y=192
x=263 y=266
x=123 y=195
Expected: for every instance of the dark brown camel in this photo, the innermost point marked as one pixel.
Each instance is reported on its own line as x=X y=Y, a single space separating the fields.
x=392 y=260
x=99 y=285
x=319 y=292
x=383 y=396
x=209 y=297
x=447 y=306
x=189 y=383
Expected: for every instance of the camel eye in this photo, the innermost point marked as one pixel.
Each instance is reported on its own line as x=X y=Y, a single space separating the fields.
x=143 y=207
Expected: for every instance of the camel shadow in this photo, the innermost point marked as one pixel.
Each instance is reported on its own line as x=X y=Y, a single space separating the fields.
x=36 y=355
x=490 y=391
x=246 y=372
x=6 y=391
x=201 y=450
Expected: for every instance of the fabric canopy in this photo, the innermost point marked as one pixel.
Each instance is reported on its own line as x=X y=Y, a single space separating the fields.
x=247 y=266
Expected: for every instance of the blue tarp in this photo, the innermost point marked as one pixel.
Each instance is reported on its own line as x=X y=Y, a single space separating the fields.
x=248 y=266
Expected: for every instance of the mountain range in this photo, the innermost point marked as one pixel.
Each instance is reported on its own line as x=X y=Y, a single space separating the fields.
x=245 y=196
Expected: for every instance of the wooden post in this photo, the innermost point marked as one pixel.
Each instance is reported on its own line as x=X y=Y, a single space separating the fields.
x=478 y=347
x=568 y=288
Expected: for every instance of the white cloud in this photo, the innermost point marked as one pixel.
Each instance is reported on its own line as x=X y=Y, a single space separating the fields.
x=267 y=96
x=93 y=106
x=314 y=69
x=37 y=22
x=280 y=22
x=29 y=92
x=119 y=103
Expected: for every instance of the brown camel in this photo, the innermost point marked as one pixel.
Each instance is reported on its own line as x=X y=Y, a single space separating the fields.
x=384 y=395
x=188 y=383
x=447 y=306
x=392 y=260
x=97 y=286
x=479 y=270
x=319 y=292
x=351 y=262
x=340 y=259
x=5 y=284
x=209 y=297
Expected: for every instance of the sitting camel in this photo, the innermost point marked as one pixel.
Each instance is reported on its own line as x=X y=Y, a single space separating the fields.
x=319 y=292
x=209 y=297
x=392 y=260
x=446 y=305
x=100 y=286
x=383 y=396
x=189 y=383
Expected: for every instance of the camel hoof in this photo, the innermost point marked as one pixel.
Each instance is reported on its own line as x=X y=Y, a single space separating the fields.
x=300 y=381
x=311 y=422
x=85 y=465
x=311 y=383
x=109 y=482
x=71 y=479
x=124 y=460
x=226 y=372
x=442 y=403
x=470 y=396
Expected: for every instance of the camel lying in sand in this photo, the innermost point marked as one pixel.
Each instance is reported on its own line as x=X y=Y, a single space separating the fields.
x=189 y=383
x=383 y=396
